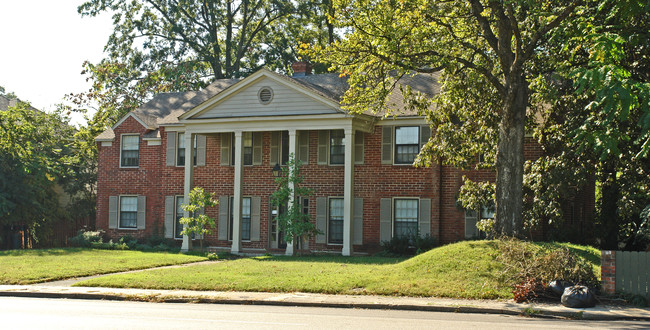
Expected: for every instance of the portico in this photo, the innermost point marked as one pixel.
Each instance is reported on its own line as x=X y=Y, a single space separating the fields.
x=317 y=113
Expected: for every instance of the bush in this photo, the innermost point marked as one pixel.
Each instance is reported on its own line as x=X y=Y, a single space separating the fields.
x=527 y=264
x=160 y=243
x=408 y=245
x=129 y=241
x=86 y=239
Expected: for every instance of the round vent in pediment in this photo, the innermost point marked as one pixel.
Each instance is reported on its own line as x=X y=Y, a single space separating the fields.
x=265 y=95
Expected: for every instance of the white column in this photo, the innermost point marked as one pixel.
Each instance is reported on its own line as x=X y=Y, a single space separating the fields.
x=237 y=199
x=292 y=150
x=348 y=193
x=189 y=177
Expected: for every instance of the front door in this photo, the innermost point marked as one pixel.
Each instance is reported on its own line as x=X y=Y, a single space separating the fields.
x=276 y=239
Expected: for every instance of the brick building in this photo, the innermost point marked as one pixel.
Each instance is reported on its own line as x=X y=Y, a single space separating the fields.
x=366 y=191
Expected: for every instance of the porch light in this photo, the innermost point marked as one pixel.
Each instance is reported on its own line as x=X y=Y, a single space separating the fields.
x=276 y=170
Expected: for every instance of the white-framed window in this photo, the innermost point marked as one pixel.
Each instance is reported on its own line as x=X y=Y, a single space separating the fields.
x=337 y=147
x=178 y=214
x=335 y=221
x=180 y=149
x=284 y=147
x=130 y=150
x=128 y=216
x=407 y=144
x=245 y=218
x=405 y=217
x=248 y=147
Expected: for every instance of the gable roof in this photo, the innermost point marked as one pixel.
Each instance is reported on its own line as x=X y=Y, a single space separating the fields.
x=291 y=82
x=166 y=108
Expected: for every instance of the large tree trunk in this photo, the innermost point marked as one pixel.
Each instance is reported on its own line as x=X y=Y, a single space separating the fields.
x=510 y=159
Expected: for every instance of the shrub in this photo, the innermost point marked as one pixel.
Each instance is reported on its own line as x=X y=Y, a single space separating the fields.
x=128 y=240
x=408 y=245
x=425 y=243
x=527 y=264
x=86 y=238
x=160 y=243
x=398 y=245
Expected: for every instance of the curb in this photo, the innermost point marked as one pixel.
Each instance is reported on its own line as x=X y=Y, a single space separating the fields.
x=525 y=311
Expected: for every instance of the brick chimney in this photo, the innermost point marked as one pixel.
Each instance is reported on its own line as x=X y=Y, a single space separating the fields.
x=301 y=69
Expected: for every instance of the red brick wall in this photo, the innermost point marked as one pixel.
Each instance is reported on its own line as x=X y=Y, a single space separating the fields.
x=155 y=180
x=144 y=180
x=373 y=181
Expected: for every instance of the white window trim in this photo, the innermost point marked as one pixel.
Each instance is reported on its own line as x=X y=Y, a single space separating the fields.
x=176 y=215
x=122 y=148
x=393 y=208
x=327 y=226
x=244 y=147
x=395 y=145
x=119 y=213
x=329 y=150
x=230 y=204
x=194 y=141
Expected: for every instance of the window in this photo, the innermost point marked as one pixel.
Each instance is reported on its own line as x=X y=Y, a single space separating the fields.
x=128 y=212
x=487 y=212
x=337 y=147
x=245 y=218
x=248 y=148
x=284 y=153
x=130 y=151
x=407 y=144
x=405 y=217
x=335 y=223
x=180 y=152
x=178 y=214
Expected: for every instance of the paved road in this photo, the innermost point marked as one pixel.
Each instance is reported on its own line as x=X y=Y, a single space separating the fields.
x=38 y=313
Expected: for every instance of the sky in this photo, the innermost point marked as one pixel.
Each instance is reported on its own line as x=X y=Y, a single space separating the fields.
x=43 y=44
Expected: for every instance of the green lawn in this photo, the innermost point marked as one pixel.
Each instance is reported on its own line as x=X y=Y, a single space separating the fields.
x=34 y=266
x=465 y=269
x=461 y=270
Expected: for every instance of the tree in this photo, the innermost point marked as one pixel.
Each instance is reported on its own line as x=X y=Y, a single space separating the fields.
x=484 y=44
x=33 y=149
x=198 y=223
x=599 y=111
x=294 y=223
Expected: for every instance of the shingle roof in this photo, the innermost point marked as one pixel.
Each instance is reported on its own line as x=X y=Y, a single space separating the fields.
x=165 y=108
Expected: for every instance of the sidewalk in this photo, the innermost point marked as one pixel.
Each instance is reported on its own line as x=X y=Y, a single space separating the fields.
x=600 y=312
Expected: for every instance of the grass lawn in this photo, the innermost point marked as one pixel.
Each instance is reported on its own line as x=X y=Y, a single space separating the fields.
x=34 y=266
x=461 y=270
x=464 y=269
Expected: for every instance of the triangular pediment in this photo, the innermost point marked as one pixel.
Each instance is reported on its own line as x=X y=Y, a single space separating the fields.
x=264 y=94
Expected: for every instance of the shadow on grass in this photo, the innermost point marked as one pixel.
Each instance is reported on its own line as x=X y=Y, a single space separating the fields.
x=332 y=259
x=42 y=252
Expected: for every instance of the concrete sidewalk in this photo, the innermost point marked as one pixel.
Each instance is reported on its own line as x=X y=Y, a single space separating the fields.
x=600 y=312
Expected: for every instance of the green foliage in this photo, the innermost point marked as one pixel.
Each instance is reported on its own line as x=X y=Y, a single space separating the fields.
x=525 y=262
x=294 y=223
x=595 y=121
x=408 y=245
x=85 y=239
x=34 y=147
x=198 y=223
x=483 y=52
